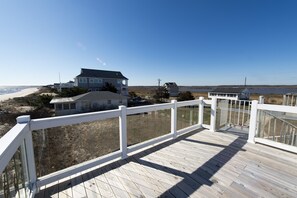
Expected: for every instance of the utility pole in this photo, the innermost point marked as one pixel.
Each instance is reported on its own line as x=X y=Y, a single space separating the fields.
x=60 y=89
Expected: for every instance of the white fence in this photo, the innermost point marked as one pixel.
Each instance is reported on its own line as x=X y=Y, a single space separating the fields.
x=21 y=136
x=257 y=119
x=233 y=114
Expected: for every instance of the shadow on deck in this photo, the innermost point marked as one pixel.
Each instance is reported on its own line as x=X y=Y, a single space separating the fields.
x=198 y=164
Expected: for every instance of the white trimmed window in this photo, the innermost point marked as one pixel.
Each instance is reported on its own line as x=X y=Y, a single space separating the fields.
x=97 y=80
x=83 y=80
x=58 y=106
x=66 y=106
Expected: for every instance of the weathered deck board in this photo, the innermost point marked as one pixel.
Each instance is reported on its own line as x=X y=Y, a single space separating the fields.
x=199 y=164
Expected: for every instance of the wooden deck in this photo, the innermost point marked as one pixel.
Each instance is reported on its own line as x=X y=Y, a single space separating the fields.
x=198 y=164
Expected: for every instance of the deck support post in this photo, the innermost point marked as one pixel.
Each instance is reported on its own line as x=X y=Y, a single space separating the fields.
x=173 y=118
x=28 y=158
x=123 y=131
x=213 y=114
x=201 y=110
x=253 y=122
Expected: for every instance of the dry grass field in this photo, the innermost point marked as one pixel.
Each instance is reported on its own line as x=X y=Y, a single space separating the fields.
x=61 y=147
x=148 y=92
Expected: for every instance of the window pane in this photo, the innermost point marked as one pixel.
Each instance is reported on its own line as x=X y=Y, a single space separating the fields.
x=65 y=106
x=72 y=106
x=58 y=106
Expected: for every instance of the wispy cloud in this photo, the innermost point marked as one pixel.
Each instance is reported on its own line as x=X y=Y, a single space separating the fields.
x=100 y=61
x=81 y=46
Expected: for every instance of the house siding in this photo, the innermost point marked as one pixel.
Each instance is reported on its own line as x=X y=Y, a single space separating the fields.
x=242 y=95
x=88 y=79
x=172 y=89
x=91 y=86
x=86 y=106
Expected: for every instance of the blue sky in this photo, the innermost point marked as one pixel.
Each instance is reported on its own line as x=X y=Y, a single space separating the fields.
x=191 y=42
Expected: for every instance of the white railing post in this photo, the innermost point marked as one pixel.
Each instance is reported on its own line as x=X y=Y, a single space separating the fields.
x=213 y=114
x=253 y=122
x=261 y=99
x=123 y=131
x=29 y=150
x=201 y=111
x=284 y=100
x=173 y=118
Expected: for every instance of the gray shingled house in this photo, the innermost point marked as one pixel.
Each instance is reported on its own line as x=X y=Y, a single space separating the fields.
x=94 y=80
x=91 y=101
x=172 y=88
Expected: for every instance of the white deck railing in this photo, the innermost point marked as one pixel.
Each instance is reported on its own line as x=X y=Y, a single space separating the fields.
x=22 y=133
x=20 y=136
x=255 y=120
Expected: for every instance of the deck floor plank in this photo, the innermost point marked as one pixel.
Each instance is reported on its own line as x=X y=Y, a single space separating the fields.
x=202 y=164
x=65 y=187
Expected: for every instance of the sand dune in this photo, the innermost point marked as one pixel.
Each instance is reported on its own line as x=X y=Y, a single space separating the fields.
x=21 y=93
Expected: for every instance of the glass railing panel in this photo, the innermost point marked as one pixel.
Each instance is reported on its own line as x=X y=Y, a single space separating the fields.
x=233 y=113
x=187 y=116
x=206 y=114
x=61 y=147
x=277 y=126
x=13 y=180
x=148 y=125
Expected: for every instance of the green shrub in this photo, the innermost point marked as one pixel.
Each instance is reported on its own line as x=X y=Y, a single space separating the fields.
x=185 y=96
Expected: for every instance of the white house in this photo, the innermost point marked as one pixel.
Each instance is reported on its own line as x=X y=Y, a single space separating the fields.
x=91 y=101
x=60 y=86
x=230 y=93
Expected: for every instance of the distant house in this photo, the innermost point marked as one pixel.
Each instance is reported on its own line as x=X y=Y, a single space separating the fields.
x=231 y=93
x=60 y=86
x=91 y=101
x=172 y=88
x=95 y=80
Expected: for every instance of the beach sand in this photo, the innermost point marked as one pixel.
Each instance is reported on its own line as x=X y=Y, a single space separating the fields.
x=21 y=93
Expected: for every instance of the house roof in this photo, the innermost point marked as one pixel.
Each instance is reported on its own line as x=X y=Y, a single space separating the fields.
x=170 y=84
x=101 y=74
x=90 y=96
x=228 y=89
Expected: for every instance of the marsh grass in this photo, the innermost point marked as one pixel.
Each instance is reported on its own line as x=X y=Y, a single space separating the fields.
x=60 y=147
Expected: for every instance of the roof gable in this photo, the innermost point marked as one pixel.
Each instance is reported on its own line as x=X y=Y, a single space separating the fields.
x=101 y=74
x=170 y=84
x=99 y=95
x=90 y=96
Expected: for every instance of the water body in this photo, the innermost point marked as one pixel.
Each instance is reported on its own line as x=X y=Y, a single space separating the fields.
x=253 y=90
x=269 y=90
x=12 y=89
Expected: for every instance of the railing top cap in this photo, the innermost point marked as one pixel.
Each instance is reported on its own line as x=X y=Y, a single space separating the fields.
x=23 y=119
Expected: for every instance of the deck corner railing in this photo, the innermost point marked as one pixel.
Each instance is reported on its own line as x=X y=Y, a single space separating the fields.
x=20 y=136
x=17 y=163
x=18 y=177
